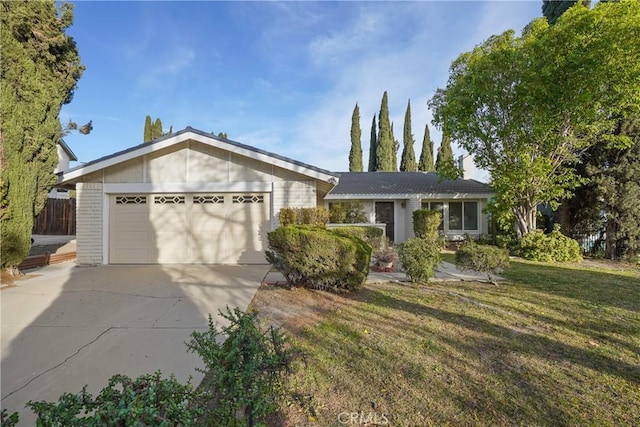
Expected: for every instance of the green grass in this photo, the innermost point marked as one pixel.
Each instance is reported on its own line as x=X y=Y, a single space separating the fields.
x=555 y=345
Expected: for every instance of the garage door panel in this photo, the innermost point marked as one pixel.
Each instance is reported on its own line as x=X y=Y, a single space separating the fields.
x=189 y=228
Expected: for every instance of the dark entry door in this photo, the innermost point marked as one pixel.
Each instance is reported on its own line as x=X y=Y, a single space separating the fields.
x=384 y=214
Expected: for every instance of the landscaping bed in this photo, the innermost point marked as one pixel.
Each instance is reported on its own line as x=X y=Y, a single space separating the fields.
x=555 y=345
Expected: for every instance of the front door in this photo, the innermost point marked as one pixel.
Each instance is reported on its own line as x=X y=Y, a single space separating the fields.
x=384 y=215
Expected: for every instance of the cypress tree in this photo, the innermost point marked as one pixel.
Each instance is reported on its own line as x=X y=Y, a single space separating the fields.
x=426 y=155
x=40 y=68
x=445 y=164
x=157 y=128
x=373 y=146
x=148 y=129
x=384 y=149
x=396 y=147
x=355 y=155
x=408 y=162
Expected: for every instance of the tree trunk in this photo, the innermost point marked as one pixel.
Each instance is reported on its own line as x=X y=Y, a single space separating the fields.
x=525 y=220
x=610 y=241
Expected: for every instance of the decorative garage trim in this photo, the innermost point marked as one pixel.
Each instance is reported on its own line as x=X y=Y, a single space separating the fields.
x=208 y=199
x=189 y=187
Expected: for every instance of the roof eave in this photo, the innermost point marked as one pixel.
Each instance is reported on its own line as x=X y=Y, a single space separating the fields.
x=190 y=134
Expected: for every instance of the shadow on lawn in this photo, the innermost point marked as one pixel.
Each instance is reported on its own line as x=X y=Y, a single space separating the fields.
x=590 y=286
x=527 y=343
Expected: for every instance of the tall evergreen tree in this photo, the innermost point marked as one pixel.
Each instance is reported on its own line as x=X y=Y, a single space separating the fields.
x=355 y=155
x=373 y=145
x=426 y=155
x=396 y=148
x=384 y=149
x=39 y=70
x=553 y=9
x=408 y=162
x=148 y=129
x=157 y=128
x=445 y=163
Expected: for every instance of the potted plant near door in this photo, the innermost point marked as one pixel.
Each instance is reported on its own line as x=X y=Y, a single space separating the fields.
x=386 y=259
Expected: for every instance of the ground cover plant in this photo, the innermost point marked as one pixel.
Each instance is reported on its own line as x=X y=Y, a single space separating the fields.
x=555 y=344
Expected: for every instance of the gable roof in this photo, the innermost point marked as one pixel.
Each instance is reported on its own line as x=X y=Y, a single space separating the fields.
x=65 y=147
x=190 y=133
x=387 y=185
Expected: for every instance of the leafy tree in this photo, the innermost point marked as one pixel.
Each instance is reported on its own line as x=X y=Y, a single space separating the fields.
x=148 y=129
x=39 y=70
x=355 y=155
x=527 y=107
x=426 y=155
x=552 y=9
x=445 y=163
x=373 y=146
x=385 y=143
x=408 y=162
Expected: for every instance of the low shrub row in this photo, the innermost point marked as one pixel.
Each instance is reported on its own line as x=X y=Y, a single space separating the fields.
x=490 y=260
x=318 y=217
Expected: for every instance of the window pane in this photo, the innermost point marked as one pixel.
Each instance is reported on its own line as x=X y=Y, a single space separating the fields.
x=424 y=205
x=455 y=215
x=439 y=207
x=470 y=215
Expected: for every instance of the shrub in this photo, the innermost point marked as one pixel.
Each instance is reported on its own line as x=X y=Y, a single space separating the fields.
x=318 y=217
x=146 y=400
x=426 y=223
x=246 y=368
x=318 y=258
x=419 y=258
x=482 y=259
x=372 y=235
x=552 y=247
x=347 y=212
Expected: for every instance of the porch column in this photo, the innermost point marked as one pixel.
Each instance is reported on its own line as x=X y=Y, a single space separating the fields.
x=412 y=205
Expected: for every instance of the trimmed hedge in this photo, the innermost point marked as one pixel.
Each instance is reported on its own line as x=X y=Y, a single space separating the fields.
x=482 y=258
x=319 y=258
x=371 y=235
x=419 y=258
x=318 y=217
x=552 y=247
x=426 y=223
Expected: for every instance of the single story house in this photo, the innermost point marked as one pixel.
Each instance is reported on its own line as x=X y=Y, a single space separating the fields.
x=193 y=197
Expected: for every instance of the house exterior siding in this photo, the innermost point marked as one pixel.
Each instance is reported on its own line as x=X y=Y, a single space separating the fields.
x=89 y=222
x=292 y=194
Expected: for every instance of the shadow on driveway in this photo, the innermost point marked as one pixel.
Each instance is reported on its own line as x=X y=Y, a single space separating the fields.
x=74 y=326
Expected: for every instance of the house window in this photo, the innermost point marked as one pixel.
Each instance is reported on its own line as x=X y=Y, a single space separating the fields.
x=463 y=216
x=438 y=207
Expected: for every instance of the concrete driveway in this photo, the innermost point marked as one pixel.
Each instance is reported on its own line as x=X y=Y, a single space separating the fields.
x=72 y=326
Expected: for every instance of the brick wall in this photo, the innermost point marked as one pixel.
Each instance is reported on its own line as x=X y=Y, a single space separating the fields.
x=89 y=223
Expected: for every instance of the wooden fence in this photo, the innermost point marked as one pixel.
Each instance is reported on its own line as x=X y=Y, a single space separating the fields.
x=57 y=217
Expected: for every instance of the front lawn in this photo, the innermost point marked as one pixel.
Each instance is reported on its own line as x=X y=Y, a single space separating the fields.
x=555 y=345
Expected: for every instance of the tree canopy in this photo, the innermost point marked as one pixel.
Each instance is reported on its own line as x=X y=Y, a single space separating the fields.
x=527 y=107
x=39 y=70
x=445 y=163
x=373 y=145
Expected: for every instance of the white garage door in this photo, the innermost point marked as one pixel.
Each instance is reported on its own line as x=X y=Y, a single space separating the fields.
x=188 y=228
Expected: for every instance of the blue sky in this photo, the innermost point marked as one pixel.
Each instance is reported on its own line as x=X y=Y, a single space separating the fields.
x=280 y=76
